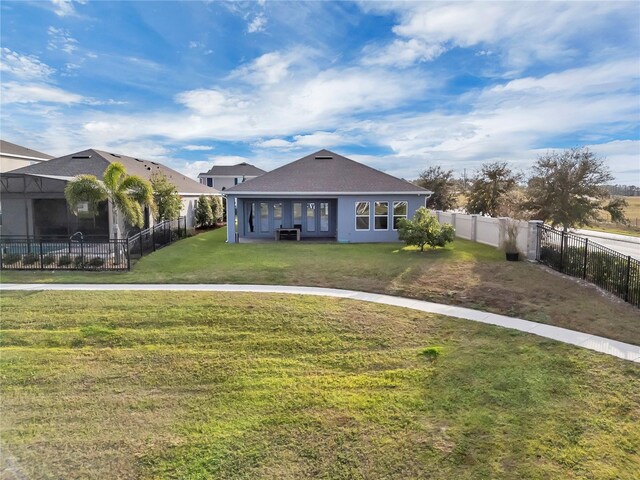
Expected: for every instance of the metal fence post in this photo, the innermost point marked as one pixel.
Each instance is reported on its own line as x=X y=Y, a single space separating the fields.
x=41 y=259
x=584 y=264
x=128 y=255
x=82 y=251
x=626 y=288
x=561 y=249
x=185 y=226
x=141 y=250
x=153 y=237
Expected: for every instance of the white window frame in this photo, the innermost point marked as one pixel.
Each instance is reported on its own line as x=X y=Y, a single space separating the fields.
x=375 y=215
x=368 y=217
x=393 y=213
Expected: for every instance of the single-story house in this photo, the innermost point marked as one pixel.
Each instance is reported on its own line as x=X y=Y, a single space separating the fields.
x=222 y=177
x=33 y=202
x=14 y=156
x=323 y=195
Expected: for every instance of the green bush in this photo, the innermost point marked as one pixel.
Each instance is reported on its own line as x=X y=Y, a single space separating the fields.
x=424 y=229
x=79 y=261
x=48 y=260
x=11 y=258
x=96 y=262
x=30 y=259
x=64 y=261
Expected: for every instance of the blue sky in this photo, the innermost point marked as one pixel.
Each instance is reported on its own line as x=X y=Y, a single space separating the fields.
x=399 y=86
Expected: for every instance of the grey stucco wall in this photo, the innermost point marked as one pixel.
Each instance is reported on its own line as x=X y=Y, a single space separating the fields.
x=347 y=232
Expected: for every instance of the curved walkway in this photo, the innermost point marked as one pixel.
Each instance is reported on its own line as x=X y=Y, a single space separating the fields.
x=592 y=342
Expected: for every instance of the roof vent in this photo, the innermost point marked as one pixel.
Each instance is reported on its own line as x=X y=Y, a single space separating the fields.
x=138 y=160
x=324 y=157
x=154 y=163
x=114 y=155
x=81 y=156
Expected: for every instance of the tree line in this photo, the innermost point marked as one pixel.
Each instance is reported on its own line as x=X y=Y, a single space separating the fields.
x=565 y=189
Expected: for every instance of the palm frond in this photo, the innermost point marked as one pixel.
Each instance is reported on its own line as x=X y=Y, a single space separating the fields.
x=85 y=188
x=113 y=176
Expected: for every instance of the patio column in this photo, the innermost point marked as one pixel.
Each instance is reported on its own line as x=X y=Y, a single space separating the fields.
x=231 y=218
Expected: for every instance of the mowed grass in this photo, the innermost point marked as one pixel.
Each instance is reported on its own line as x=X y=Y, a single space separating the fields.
x=238 y=386
x=464 y=273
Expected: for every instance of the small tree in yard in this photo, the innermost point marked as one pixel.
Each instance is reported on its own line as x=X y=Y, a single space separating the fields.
x=567 y=189
x=443 y=186
x=424 y=229
x=216 y=208
x=490 y=185
x=165 y=194
x=203 y=213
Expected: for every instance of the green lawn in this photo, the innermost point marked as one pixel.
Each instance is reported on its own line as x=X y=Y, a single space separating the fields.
x=464 y=273
x=238 y=386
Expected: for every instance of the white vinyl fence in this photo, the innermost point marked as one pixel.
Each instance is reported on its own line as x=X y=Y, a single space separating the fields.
x=491 y=231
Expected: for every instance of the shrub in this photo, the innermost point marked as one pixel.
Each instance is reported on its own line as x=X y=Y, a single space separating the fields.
x=64 y=261
x=203 y=214
x=11 y=258
x=30 y=259
x=48 y=260
x=96 y=262
x=79 y=261
x=424 y=229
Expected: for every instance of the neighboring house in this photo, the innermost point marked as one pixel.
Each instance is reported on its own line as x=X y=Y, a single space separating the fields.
x=222 y=177
x=33 y=201
x=14 y=156
x=324 y=195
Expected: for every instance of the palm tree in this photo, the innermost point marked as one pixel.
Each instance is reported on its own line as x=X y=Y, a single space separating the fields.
x=127 y=193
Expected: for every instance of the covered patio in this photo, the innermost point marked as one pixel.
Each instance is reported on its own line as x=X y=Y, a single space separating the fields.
x=283 y=218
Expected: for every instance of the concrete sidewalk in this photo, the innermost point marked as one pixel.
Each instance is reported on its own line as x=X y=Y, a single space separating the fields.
x=592 y=342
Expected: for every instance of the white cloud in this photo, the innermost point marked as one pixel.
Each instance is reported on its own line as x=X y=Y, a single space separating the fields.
x=61 y=39
x=191 y=169
x=403 y=53
x=13 y=92
x=63 y=8
x=258 y=24
x=522 y=32
x=23 y=66
x=195 y=148
x=267 y=69
x=203 y=101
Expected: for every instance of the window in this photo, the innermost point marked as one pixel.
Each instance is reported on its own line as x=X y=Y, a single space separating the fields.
x=399 y=211
x=264 y=217
x=362 y=215
x=381 y=220
x=311 y=217
x=209 y=182
x=277 y=215
x=297 y=215
x=324 y=217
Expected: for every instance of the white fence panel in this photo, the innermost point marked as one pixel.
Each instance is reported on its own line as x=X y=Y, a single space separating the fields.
x=445 y=218
x=464 y=226
x=488 y=231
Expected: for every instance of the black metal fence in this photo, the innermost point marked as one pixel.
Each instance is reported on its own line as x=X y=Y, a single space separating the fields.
x=86 y=253
x=582 y=258
x=151 y=239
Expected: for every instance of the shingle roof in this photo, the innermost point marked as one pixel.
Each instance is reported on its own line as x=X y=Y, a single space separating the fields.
x=240 y=170
x=13 y=149
x=94 y=162
x=326 y=172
